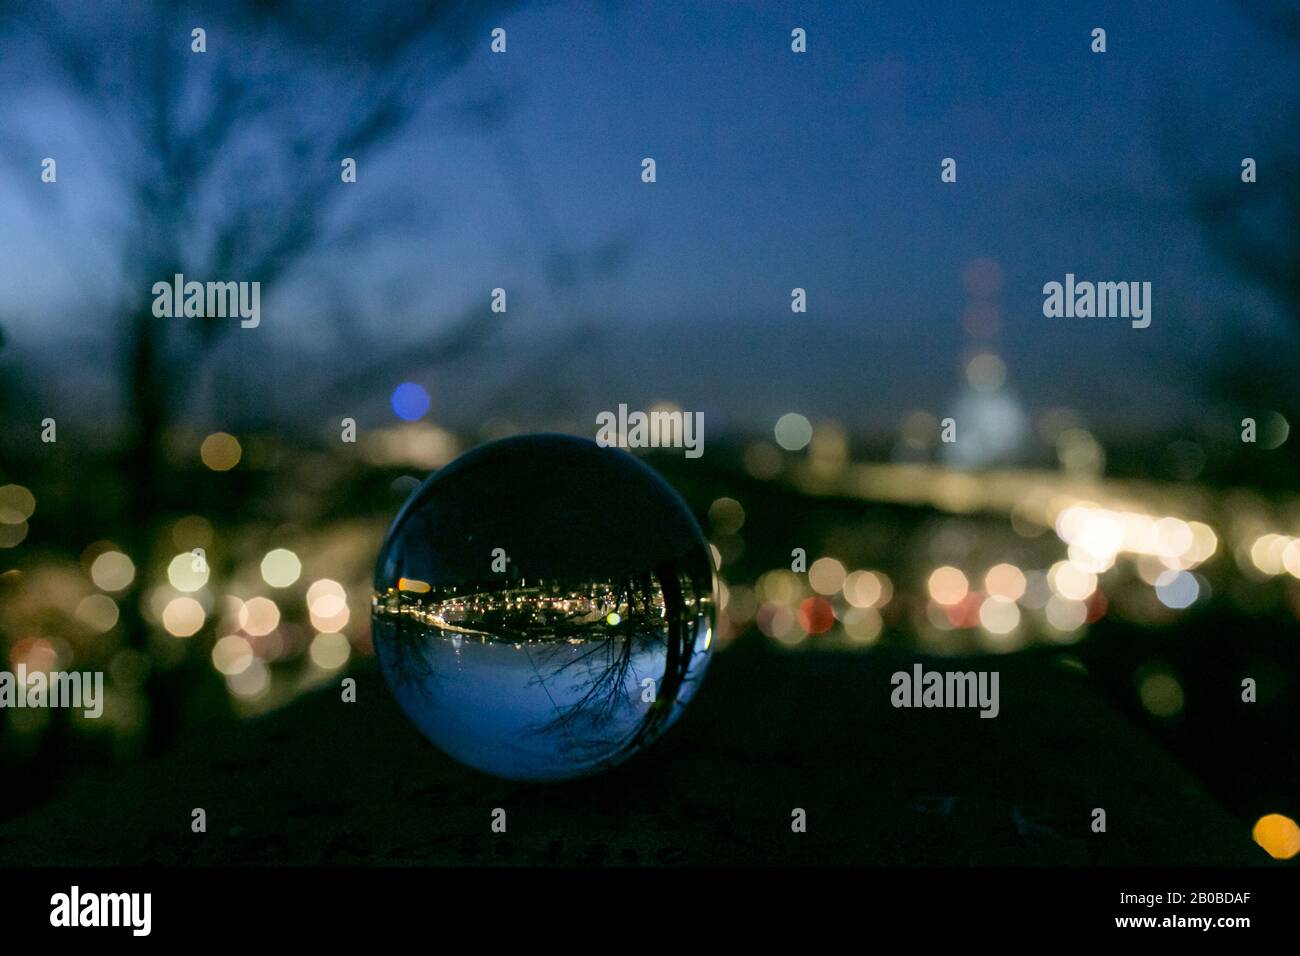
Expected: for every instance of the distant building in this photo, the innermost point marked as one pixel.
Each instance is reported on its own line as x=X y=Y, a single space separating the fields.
x=992 y=427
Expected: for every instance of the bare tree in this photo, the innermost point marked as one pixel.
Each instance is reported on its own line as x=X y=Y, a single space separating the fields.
x=224 y=164
x=228 y=162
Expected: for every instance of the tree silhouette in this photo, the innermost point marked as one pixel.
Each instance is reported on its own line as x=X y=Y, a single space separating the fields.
x=223 y=170
x=225 y=165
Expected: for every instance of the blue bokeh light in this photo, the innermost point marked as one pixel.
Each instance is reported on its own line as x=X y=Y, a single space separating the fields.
x=410 y=401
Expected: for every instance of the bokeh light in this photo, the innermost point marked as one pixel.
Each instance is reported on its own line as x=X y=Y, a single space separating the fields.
x=281 y=568
x=867 y=589
x=862 y=625
x=330 y=651
x=410 y=401
x=726 y=516
x=1177 y=589
x=188 y=572
x=112 y=571
x=1278 y=835
x=233 y=654
x=1071 y=581
x=259 y=616
x=183 y=617
x=816 y=616
x=826 y=576
x=252 y=683
x=1161 y=694
x=16 y=504
x=220 y=451
x=779 y=623
x=986 y=372
x=98 y=612
x=1065 y=614
x=948 y=585
x=999 y=615
x=328 y=608
x=1005 y=581
x=793 y=432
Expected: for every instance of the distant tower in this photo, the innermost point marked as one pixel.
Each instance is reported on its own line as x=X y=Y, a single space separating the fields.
x=992 y=427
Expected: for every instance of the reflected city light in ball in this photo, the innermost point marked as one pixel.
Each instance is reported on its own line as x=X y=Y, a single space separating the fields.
x=543 y=607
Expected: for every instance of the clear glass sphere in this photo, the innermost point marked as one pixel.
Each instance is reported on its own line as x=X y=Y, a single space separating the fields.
x=543 y=607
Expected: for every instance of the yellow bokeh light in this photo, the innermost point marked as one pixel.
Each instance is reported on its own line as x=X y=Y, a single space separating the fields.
x=1291 y=557
x=779 y=623
x=1267 y=552
x=986 y=372
x=259 y=616
x=1161 y=694
x=280 y=568
x=220 y=451
x=1064 y=614
x=112 y=571
x=12 y=535
x=325 y=588
x=328 y=608
x=826 y=575
x=1005 y=581
x=999 y=615
x=16 y=504
x=779 y=587
x=1204 y=543
x=862 y=625
x=867 y=589
x=188 y=572
x=183 y=617
x=98 y=612
x=726 y=516
x=1071 y=581
x=232 y=654
x=1278 y=835
x=330 y=651
x=1172 y=537
x=762 y=461
x=948 y=585
x=252 y=682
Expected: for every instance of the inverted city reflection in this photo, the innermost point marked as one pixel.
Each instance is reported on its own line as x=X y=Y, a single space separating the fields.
x=559 y=675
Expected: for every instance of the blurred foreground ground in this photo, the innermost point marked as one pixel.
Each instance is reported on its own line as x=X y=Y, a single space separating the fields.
x=324 y=782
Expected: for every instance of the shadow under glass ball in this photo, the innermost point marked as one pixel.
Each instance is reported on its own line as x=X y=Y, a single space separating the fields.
x=543 y=607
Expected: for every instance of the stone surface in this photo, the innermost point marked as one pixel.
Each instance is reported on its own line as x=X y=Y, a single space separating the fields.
x=323 y=782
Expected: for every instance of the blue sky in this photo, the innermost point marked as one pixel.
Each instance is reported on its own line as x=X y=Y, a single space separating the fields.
x=774 y=171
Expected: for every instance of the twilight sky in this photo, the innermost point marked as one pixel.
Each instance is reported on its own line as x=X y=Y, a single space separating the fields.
x=774 y=171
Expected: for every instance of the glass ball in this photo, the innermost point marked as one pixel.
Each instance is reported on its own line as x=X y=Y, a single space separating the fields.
x=543 y=607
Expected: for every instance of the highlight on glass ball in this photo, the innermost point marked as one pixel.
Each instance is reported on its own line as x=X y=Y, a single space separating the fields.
x=543 y=607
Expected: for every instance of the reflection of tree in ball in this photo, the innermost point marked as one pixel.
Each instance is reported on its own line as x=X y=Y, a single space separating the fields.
x=544 y=607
